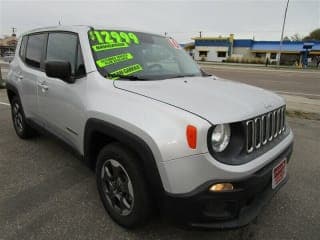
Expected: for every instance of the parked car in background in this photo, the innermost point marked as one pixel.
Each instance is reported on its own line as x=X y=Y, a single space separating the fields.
x=8 y=56
x=159 y=132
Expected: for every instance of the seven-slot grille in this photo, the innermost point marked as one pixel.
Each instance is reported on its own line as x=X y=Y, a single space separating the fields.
x=265 y=128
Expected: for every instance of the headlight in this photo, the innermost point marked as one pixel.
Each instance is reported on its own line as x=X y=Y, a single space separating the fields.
x=220 y=137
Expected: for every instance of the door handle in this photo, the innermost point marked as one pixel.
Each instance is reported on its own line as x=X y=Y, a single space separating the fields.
x=43 y=86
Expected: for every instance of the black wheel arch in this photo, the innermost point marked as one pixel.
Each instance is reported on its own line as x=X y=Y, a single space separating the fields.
x=11 y=91
x=97 y=130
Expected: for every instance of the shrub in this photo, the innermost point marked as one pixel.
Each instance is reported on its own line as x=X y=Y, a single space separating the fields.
x=245 y=60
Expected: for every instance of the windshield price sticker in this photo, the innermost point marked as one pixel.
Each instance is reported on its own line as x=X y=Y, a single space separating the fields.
x=110 y=37
x=114 y=59
x=126 y=71
x=108 y=46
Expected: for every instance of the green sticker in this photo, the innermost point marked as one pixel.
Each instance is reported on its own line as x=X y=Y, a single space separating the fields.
x=114 y=59
x=108 y=46
x=92 y=37
x=127 y=70
x=104 y=36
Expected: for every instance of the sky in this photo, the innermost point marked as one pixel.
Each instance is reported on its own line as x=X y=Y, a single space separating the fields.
x=258 y=19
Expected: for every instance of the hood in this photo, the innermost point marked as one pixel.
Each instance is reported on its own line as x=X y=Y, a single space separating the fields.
x=216 y=100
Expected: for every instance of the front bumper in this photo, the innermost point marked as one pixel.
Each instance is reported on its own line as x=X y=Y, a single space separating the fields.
x=205 y=209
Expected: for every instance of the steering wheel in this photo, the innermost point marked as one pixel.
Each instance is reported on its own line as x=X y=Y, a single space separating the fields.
x=156 y=67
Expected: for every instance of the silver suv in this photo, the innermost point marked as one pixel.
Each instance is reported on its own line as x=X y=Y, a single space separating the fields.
x=159 y=132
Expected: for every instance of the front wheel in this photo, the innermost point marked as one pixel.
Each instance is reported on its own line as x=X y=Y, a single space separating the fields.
x=121 y=186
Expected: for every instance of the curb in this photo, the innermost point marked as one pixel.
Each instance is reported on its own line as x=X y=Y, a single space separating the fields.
x=259 y=66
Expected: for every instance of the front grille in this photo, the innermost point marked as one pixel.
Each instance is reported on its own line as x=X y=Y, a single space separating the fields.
x=265 y=128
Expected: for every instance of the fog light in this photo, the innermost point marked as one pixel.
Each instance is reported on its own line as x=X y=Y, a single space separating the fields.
x=219 y=187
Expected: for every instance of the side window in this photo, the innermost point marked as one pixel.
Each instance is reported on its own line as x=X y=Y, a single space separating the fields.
x=23 y=47
x=80 y=69
x=63 y=47
x=34 y=49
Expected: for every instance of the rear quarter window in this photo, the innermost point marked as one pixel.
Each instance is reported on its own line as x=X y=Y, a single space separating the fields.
x=23 y=47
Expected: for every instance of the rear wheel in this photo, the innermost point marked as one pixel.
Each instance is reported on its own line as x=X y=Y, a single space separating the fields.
x=121 y=186
x=23 y=130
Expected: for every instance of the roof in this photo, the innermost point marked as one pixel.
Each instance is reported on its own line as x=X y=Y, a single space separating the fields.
x=316 y=47
x=211 y=38
x=288 y=46
x=215 y=42
x=8 y=41
x=243 y=43
x=58 y=28
x=259 y=46
x=79 y=28
x=187 y=45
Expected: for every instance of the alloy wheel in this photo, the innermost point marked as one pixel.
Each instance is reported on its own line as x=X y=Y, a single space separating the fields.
x=17 y=117
x=117 y=187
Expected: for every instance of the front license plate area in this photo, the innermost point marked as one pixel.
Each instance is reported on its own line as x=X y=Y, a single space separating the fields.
x=279 y=173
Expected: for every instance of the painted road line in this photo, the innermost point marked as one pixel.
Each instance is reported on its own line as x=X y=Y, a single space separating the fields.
x=3 y=103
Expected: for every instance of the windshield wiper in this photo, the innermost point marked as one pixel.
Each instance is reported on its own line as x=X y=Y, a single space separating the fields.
x=186 y=75
x=129 y=77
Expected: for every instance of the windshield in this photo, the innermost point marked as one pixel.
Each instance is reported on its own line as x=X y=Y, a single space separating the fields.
x=139 y=56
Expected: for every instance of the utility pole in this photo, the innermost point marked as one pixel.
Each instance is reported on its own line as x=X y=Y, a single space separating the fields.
x=281 y=40
x=13 y=31
x=200 y=34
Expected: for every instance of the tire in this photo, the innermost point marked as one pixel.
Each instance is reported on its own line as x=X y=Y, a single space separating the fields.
x=128 y=206
x=23 y=130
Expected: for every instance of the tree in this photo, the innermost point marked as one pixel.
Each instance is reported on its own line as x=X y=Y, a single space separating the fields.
x=286 y=38
x=296 y=37
x=314 y=35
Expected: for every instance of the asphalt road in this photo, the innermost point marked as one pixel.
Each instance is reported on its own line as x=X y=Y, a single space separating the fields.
x=304 y=83
x=47 y=193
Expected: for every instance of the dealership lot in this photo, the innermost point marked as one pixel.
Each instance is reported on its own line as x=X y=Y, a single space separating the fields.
x=47 y=193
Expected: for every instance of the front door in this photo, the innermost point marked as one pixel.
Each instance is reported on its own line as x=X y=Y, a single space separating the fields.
x=61 y=103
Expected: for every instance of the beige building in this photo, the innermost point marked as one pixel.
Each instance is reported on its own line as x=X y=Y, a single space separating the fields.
x=8 y=44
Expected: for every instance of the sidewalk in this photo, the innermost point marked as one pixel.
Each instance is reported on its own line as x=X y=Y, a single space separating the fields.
x=3 y=75
x=3 y=63
x=298 y=106
x=258 y=67
x=3 y=72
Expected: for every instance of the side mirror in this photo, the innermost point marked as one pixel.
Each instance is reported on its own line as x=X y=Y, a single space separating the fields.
x=59 y=69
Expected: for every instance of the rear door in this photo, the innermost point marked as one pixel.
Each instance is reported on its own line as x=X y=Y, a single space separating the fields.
x=30 y=69
x=61 y=103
